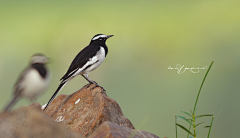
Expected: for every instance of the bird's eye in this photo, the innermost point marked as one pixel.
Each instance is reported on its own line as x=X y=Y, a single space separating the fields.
x=100 y=38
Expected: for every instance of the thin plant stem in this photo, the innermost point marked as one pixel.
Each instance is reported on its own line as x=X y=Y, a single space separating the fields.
x=176 y=124
x=194 y=126
x=200 y=91
x=218 y=114
x=210 y=127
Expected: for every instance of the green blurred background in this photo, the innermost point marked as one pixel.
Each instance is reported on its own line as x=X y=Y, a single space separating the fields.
x=148 y=37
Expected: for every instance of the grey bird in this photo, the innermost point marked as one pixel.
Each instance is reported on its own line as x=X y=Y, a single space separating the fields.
x=33 y=81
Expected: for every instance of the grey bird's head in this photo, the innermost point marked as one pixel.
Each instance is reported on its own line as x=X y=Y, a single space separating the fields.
x=100 y=38
x=39 y=58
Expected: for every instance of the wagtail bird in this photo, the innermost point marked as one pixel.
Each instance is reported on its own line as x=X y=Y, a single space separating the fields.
x=87 y=60
x=33 y=81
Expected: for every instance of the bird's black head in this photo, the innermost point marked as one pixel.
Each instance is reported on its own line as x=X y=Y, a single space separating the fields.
x=100 y=39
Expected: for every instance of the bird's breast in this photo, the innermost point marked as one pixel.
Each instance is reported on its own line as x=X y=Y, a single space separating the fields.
x=95 y=61
x=33 y=84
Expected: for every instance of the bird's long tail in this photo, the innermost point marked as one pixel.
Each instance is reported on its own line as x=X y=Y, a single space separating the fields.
x=13 y=101
x=55 y=94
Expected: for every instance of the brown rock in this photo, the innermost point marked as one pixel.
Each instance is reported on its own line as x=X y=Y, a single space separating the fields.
x=86 y=109
x=112 y=130
x=30 y=122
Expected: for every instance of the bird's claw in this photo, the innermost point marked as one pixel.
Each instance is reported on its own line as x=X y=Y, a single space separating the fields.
x=96 y=85
x=88 y=85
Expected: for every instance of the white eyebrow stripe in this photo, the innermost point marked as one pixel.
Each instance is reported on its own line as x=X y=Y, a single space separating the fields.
x=94 y=38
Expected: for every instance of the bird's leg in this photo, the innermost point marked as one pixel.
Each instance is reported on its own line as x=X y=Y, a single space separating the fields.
x=91 y=82
x=96 y=85
x=88 y=79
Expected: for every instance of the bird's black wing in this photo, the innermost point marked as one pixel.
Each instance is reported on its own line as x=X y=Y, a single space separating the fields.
x=81 y=59
x=17 y=87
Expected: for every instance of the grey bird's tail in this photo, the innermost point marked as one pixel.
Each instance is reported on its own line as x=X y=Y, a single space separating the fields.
x=13 y=101
x=55 y=94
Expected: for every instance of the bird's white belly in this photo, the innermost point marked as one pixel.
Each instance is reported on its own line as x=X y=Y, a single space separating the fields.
x=96 y=61
x=33 y=84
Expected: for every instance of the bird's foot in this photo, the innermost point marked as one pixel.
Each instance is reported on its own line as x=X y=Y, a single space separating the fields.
x=96 y=85
x=89 y=84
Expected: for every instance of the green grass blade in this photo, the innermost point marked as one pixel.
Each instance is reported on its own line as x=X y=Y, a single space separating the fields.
x=191 y=111
x=203 y=115
x=176 y=125
x=204 y=122
x=186 y=113
x=201 y=86
x=143 y=121
x=201 y=129
x=184 y=129
x=199 y=124
x=180 y=119
x=200 y=91
x=210 y=128
x=218 y=114
x=184 y=118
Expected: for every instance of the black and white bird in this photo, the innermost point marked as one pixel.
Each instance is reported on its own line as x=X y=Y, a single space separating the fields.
x=33 y=81
x=87 y=60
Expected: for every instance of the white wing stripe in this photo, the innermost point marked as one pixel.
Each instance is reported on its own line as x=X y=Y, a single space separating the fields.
x=90 y=62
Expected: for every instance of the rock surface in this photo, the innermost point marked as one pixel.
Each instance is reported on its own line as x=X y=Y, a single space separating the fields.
x=30 y=122
x=85 y=110
x=112 y=130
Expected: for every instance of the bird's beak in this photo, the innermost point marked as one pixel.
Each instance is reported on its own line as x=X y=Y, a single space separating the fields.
x=49 y=60
x=109 y=36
